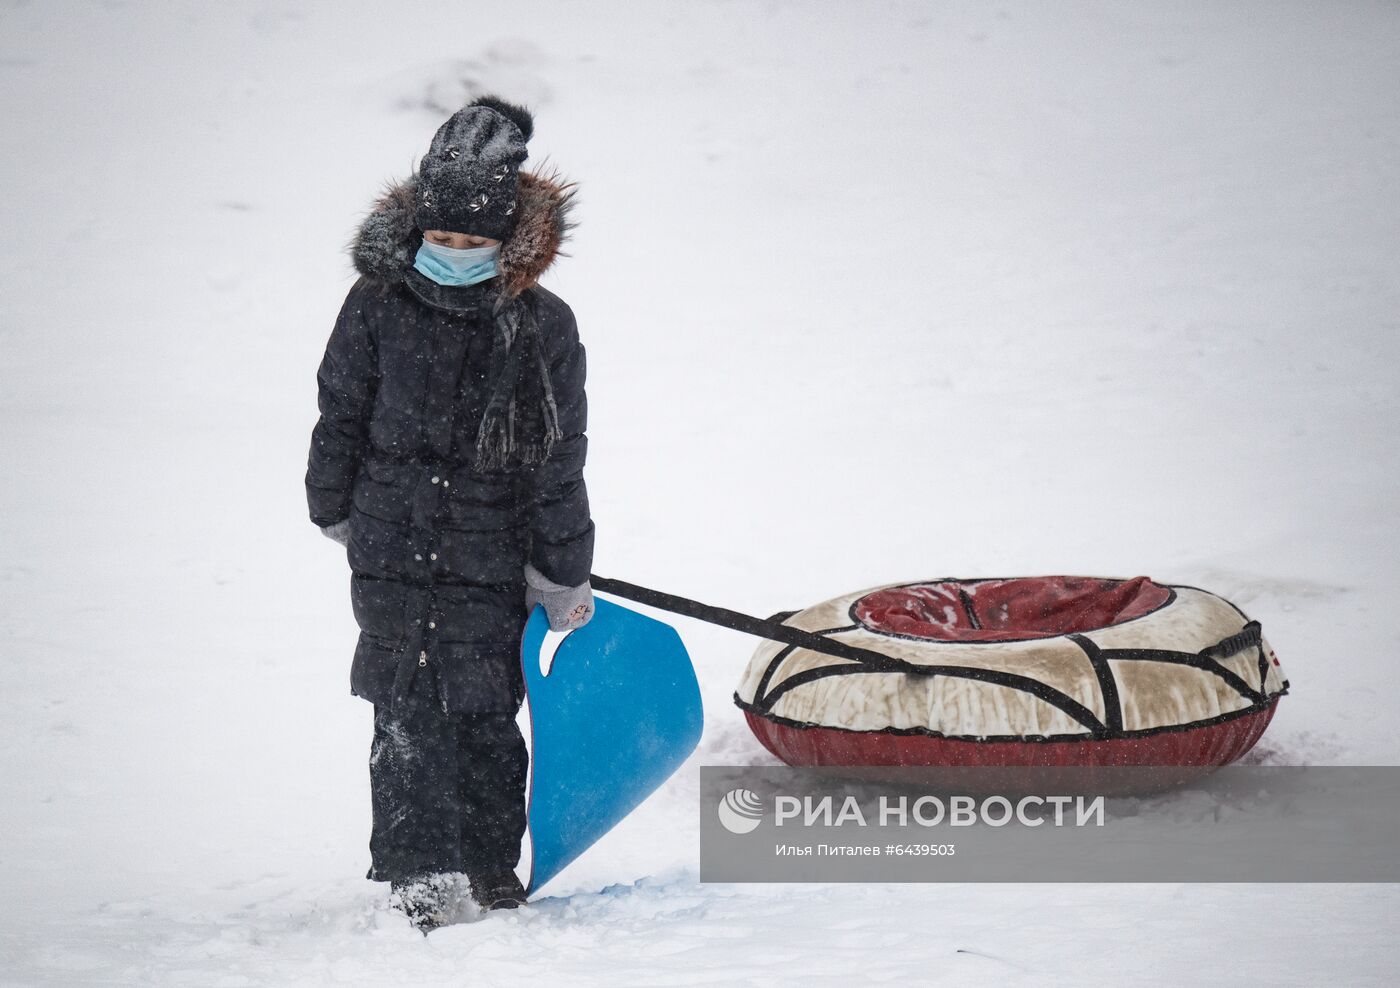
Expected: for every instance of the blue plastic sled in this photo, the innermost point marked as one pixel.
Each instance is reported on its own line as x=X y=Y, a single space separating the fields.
x=616 y=715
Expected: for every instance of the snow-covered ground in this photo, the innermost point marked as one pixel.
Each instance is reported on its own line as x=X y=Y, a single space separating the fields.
x=871 y=292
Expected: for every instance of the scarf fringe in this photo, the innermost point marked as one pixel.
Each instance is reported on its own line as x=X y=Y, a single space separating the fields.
x=497 y=445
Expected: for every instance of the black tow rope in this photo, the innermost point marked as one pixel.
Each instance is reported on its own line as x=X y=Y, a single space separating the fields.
x=769 y=628
x=774 y=630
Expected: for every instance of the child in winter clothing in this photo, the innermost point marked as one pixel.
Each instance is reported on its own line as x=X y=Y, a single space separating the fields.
x=448 y=459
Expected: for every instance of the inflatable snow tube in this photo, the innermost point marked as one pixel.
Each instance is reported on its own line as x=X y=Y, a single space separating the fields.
x=1024 y=671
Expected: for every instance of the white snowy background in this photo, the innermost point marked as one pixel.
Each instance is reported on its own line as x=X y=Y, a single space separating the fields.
x=871 y=292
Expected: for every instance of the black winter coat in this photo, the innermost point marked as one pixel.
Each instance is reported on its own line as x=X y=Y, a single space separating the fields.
x=437 y=549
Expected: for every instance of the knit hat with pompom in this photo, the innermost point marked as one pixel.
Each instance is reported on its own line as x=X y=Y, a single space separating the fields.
x=468 y=182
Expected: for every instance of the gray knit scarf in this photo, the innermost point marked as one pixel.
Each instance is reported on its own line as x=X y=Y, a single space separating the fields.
x=521 y=422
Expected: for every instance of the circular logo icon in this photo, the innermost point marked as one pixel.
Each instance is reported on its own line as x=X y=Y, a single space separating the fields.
x=740 y=811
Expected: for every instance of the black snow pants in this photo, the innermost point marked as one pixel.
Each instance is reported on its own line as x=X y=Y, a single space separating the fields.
x=448 y=790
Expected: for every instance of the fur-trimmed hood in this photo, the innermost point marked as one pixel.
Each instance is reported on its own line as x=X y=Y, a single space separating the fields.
x=384 y=246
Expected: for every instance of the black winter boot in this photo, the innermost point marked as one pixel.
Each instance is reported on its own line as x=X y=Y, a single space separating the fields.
x=426 y=900
x=502 y=891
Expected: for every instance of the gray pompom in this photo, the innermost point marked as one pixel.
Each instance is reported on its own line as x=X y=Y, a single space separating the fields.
x=517 y=114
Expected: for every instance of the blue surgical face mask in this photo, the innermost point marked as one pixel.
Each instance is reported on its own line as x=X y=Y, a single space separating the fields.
x=458 y=266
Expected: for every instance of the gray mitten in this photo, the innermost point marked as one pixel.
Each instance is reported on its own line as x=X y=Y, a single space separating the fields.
x=560 y=602
x=340 y=532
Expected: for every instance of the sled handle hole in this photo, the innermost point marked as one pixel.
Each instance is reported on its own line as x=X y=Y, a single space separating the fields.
x=550 y=645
